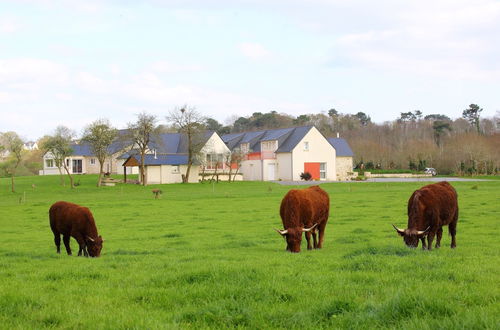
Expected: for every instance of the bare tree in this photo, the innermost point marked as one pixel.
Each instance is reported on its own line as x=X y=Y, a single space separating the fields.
x=141 y=133
x=59 y=145
x=191 y=123
x=100 y=135
x=14 y=145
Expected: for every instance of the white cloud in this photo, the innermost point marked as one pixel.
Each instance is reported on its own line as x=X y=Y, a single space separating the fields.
x=168 y=67
x=32 y=71
x=254 y=51
x=9 y=25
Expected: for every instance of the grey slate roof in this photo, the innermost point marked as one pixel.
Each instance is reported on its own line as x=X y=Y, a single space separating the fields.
x=175 y=159
x=341 y=146
x=81 y=150
x=287 y=138
x=165 y=143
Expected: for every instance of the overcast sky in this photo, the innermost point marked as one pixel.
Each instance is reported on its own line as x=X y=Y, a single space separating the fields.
x=72 y=62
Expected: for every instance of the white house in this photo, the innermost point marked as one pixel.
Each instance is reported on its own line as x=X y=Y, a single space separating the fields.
x=167 y=157
x=83 y=161
x=283 y=154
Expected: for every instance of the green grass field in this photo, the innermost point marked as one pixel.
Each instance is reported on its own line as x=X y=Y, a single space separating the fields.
x=206 y=256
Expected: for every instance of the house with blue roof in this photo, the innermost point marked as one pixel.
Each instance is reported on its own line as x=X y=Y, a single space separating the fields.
x=283 y=154
x=83 y=161
x=167 y=157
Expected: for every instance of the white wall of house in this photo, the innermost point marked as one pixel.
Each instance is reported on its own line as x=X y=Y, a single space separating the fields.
x=161 y=174
x=284 y=161
x=215 y=145
x=252 y=170
x=269 y=169
x=314 y=148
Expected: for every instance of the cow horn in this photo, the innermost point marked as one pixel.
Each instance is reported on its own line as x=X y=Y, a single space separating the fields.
x=282 y=232
x=421 y=232
x=401 y=231
x=309 y=229
x=90 y=239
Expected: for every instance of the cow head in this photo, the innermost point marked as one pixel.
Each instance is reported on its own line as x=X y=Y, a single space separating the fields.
x=411 y=236
x=94 y=246
x=293 y=237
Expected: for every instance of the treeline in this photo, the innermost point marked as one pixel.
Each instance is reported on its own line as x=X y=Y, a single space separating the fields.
x=469 y=145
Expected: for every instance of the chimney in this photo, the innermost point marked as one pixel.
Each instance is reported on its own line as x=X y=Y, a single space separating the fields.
x=155 y=153
x=338 y=135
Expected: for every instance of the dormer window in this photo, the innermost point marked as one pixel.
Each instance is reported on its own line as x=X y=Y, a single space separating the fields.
x=245 y=148
x=269 y=145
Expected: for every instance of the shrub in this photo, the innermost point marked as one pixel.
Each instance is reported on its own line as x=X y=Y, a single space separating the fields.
x=306 y=176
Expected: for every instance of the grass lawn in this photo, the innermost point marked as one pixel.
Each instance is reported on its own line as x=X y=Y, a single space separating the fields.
x=206 y=256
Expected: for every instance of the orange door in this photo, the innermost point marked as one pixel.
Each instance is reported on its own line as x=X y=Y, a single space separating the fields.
x=312 y=168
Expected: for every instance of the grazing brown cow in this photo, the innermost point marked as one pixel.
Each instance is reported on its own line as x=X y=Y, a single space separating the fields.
x=304 y=211
x=74 y=220
x=429 y=209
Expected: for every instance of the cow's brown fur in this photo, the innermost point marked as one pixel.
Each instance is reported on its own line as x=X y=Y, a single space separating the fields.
x=303 y=209
x=429 y=209
x=74 y=220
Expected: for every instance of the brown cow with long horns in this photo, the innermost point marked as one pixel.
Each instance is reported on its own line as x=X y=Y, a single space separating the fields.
x=306 y=211
x=429 y=209
x=74 y=220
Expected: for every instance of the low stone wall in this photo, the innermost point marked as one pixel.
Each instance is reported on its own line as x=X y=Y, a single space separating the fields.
x=397 y=175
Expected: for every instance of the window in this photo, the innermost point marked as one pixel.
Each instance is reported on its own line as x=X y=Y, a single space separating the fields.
x=92 y=161
x=49 y=163
x=269 y=145
x=175 y=169
x=77 y=166
x=306 y=146
x=245 y=148
x=322 y=170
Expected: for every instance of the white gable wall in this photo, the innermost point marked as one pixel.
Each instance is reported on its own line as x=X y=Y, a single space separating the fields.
x=284 y=169
x=320 y=151
x=215 y=145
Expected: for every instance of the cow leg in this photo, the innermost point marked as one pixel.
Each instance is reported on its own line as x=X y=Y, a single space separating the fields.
x=82 y=245
x=321 y=235
x=308 y=238
x=452 y=228
x=424 y=246
x=66 y=243
x=57 y=241
x=315 y=241
x=430 y=238
x=438 y=239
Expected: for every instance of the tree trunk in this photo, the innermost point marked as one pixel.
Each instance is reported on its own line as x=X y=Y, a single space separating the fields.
x=141 y=169
x=13 y=188
x=70 y=177
x=99 y=180
x=185 y=179
x=235 y=173
x=61 y=176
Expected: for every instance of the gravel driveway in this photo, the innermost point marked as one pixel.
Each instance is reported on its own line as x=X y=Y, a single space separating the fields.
x=428 y=179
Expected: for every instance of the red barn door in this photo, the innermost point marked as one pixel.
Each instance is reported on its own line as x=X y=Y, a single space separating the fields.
x=312 y=168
